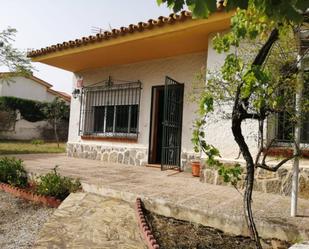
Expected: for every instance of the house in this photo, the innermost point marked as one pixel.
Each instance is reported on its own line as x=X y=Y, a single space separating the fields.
x=134 y=106
x=29 y=88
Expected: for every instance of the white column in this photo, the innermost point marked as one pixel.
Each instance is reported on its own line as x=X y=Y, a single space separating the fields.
x=298 y=100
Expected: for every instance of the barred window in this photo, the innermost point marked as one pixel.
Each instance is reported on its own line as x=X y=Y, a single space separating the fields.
x=111 y=110
x=285 y=128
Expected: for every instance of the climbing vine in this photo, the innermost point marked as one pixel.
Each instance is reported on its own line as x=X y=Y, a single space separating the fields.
x=230 y=174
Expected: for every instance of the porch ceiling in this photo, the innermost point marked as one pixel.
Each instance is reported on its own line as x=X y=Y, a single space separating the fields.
x=160 y=42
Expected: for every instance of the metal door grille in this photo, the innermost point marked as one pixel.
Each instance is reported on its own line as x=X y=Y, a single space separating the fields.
x=172 y=124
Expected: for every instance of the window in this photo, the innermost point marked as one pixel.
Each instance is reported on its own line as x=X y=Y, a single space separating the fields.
x=118 y=119
x=285 y=128
x=111 y=110
x=99 y=118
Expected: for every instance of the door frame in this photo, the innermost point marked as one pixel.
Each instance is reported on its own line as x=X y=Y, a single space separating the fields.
x=150 y=141
x=151 y=121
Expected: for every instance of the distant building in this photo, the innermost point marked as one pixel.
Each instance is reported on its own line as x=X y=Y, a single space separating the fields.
x=14 y=127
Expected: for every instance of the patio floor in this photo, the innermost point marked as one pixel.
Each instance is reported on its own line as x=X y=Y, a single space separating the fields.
x=181 y=196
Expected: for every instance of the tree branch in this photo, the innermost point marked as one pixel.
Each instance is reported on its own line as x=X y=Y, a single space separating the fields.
x=262 y=55
x=267 y=149
x=261 y=150
x=263 y=165
x=247 y=115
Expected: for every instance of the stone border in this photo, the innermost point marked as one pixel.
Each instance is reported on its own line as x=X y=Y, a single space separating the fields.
x=265 y=181
x=234 y=224
x=27 y=195
x=121 y=154
x=303 y=245
x=144 y=228
x=109 y=153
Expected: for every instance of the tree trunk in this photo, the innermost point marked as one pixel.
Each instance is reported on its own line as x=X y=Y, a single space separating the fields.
x=238 y=116
x=236 y=128
x=56 y=133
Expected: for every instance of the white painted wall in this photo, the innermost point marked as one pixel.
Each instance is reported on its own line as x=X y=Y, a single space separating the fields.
x=151 y=73
x=183 y=69
x=220 y=133
x=25 y=130
x=26 y=88
x=1 y=86
x=22 y=87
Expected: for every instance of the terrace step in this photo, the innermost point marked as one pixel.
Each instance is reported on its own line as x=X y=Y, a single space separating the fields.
x=221 y=213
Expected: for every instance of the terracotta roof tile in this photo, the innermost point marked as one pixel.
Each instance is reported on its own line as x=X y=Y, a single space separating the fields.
x=62 y=95
x=115 y=33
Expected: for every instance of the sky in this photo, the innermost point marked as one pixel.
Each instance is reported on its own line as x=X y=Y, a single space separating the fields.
x=41 y=23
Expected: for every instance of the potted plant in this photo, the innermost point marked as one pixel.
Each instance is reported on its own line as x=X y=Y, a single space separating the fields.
x=196 y=166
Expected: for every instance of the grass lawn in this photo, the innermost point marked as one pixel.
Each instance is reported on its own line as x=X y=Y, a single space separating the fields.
x=22 y=147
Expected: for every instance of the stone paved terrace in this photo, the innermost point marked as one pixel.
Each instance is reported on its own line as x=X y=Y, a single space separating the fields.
x=181 y=196
x=86 y=220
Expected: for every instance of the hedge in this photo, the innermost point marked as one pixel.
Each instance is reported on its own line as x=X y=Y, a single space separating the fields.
x=30 y=110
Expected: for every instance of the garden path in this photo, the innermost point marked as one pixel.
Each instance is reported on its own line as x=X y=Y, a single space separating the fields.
x=87 y=220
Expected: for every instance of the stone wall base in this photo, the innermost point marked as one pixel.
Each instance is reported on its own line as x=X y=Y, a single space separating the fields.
x=186 y=158
x=121 y=155
x=279 y=182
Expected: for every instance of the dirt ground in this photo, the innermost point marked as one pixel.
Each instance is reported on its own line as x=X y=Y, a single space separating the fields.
x=176 y=234
x=20 y=221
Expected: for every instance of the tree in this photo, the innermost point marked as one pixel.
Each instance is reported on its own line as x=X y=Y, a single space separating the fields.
x=55 y=112
x=11 y=58
x=255 y=87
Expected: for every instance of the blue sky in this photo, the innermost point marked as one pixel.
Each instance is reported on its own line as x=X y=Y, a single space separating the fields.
x=45 y=22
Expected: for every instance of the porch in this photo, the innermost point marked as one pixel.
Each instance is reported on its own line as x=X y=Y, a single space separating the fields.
x=181 y=196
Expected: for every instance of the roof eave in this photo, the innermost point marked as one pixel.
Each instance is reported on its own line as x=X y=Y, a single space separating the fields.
x=129 y=39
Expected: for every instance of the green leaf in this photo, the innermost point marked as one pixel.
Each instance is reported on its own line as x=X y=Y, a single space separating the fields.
x=292 y=14
x=202 y=8
x=302 y=5
x=178 y=5
x=233 y=4
x=159 y=2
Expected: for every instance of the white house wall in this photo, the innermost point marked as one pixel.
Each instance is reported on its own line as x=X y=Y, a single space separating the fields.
x=151 y=73
x=50 y=97
x=25 y=130
x=219 y=133
x=22 y=87
x=1 y=86
x=26 y=88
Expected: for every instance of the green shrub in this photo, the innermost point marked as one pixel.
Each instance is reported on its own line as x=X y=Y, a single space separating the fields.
x=30 y=110
x=37 y=142
x=53 y=184
x=13 y=172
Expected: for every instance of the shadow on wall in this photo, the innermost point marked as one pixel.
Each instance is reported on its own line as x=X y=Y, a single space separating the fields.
x=7 y=121
x=12 y=129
